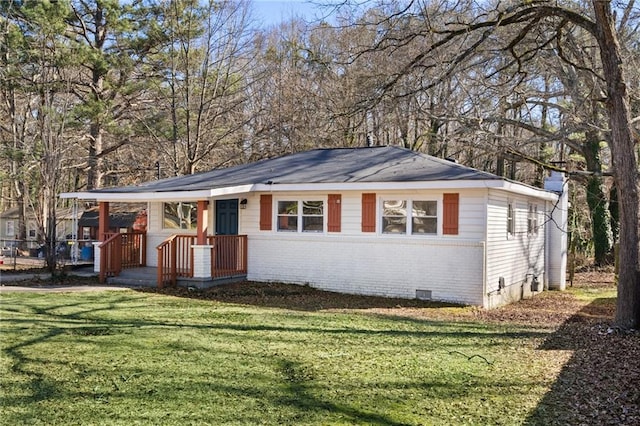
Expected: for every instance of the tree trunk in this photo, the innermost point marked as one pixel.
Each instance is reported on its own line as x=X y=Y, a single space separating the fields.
x=625 y=167
x=614 y=214
x=597 y=201
x=600 y=224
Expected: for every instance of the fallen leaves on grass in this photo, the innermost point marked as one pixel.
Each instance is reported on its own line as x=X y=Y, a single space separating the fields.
x=295 y=297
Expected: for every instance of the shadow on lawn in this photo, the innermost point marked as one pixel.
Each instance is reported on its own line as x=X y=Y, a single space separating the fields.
x=293 y=297
x=599 y=385
x=52 y=322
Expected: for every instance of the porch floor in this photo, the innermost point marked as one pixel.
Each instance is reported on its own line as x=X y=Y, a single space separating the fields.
x=147 y=277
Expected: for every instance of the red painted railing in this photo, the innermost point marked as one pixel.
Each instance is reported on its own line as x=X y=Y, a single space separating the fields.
x=175 y=257
x=122 y=250
x=229 y=256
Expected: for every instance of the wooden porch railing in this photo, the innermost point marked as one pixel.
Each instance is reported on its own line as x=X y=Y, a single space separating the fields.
x=229 y=256
x=175 y=257
x=120 y=251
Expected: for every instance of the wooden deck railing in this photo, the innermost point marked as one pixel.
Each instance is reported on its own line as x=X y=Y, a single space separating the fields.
x=122 y=250
x=175 y=257
x=229 y=256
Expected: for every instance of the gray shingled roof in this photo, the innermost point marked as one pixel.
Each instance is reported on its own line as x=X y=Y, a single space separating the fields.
x=338 y=165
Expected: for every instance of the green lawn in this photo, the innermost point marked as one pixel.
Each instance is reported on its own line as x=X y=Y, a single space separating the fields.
x=142 y=358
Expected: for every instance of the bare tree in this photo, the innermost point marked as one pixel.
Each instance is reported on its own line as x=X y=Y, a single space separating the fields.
x=202 y=72
x=451 y=35
x=37 y=100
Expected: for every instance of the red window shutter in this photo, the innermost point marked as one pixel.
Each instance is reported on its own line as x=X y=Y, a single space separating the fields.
x=450 y=213
x=266 y=211
x=368 y=212
x=334 y=221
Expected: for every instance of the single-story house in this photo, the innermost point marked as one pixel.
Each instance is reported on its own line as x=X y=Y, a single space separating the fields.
x=9 y=223
x=381 y=221
x=125 y=217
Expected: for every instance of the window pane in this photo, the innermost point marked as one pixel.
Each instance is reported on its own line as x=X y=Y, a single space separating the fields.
x=394 y=208
x=510 y=219
x=288 y=223
x=183 y=215
x=312 y=208
x=425 y=225
x=312 y=216
x=288 y=216
x=425 y=208
x=312 y=223
x=287 y=207
x=394 y=225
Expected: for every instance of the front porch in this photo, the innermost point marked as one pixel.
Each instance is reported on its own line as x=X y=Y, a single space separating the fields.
x=181 y=260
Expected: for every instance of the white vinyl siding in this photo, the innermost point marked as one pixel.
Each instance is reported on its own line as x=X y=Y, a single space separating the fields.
x=471 y=217
x=520 y=257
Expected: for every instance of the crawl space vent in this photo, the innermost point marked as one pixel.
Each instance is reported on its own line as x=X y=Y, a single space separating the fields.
x=423 y=294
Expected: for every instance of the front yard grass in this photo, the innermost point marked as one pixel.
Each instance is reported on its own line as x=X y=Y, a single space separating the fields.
x=145 y=358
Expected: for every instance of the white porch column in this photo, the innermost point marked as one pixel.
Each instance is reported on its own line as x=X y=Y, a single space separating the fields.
x=557 y=232
x=96 y=256
x=202 y=261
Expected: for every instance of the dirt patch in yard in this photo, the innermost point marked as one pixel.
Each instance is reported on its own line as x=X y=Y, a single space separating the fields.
x=549 y=308
x=296 y=297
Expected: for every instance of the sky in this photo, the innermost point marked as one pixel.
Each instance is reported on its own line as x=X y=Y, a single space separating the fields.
x=272 y=12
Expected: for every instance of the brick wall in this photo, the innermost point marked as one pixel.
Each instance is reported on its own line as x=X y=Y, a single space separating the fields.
x=381 y=265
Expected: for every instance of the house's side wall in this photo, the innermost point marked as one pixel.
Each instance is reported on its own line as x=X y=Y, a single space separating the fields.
x=513 y=260
x=64 y=228
x=450 y=267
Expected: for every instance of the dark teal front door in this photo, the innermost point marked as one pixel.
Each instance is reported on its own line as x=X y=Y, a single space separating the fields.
x=227 y=217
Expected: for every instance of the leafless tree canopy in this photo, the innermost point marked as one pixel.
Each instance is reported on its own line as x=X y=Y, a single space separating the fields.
x=102 y=93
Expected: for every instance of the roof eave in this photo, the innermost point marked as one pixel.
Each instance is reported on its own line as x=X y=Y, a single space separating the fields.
x=324 y=186
x=419 y=185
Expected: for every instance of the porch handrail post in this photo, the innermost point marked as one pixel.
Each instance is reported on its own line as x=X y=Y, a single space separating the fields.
x=245 y=253
x=116 y=251
x=103 y=263
x=143 y=248
x=173 y=262
x=160 y=277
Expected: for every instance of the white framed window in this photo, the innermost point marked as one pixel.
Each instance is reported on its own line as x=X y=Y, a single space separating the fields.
x=300 y=215
x=511 y=219
x=32 y=230
x=412 y=217
x=288 y=216
x=10 y=229
x=532 y=219
x=182 y=215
